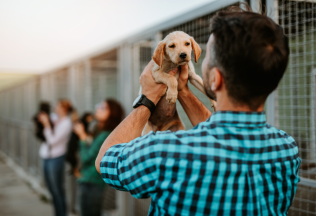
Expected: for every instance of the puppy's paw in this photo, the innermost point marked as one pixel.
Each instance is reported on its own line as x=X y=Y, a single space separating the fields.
x=172 y=96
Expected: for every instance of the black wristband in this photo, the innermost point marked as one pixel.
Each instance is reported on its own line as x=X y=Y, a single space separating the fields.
x=143 y=100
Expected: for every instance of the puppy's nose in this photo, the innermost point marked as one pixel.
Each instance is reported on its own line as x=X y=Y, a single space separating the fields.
x=183 y=55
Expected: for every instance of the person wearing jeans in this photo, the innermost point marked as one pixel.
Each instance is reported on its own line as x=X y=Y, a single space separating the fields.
x=52 y=152
x=54 y=175
x=90 y=198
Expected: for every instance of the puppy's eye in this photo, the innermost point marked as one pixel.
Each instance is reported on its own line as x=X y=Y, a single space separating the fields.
x=187 y=44
x=172 y=46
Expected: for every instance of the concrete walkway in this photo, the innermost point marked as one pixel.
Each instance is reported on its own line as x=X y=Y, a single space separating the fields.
x=17 y=198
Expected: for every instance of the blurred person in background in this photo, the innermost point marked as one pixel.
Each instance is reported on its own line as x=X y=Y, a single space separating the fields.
x=44 y=107
x=53 y=152
x=108 y=114
x=72 y=156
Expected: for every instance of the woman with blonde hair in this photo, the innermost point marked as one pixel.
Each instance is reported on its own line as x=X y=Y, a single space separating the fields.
x=53 y=152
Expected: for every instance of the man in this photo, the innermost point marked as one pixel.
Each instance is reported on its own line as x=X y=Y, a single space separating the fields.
x=232 y=162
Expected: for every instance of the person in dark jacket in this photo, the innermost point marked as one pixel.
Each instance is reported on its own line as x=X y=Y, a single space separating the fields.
x=109 y=114
x=44 y=107
x=73 y=145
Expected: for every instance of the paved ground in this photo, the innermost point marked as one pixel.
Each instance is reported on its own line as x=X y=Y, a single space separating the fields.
x=17 y=198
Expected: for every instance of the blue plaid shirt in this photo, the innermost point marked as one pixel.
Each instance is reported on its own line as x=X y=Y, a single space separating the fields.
x=234 y=163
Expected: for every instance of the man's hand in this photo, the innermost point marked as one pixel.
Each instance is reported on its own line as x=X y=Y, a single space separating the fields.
x=194 y=108
x=183 y=78
x=152 y=90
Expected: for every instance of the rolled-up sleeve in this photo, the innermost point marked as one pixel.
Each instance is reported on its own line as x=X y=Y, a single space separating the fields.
x=132 y=166
x=109 y=166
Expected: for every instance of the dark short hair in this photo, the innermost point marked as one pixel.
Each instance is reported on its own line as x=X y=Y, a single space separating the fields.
x=251 y=52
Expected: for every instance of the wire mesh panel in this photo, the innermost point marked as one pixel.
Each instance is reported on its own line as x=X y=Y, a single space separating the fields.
x=47 y=88
x=30 y=97
x=2 y=135
x=296 y=95
x=61 y=84
x=7 y=104
x=79 y=89
x=17 y=97
x=104 y=77
x=304 y=202
x=142 y=53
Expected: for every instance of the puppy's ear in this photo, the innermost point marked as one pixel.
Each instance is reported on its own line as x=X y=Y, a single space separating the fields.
x=196 y=49
x=158 y=54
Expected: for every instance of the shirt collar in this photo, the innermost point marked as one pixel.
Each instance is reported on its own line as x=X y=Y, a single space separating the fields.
x=239 y=119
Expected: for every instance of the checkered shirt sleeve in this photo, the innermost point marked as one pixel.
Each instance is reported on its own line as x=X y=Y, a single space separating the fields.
x=132 y=166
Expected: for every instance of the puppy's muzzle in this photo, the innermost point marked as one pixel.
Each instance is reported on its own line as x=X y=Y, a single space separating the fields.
x=183 y=55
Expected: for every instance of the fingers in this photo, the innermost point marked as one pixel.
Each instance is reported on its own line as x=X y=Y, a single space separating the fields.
x=78 y=125
x=42 y=116
x=173 y=72
x=78 y=128
x=149 y=67
x=146 y=74
x=184 y=69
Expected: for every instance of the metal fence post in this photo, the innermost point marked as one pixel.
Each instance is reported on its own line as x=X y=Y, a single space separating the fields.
x=125 y=74
x=136 y=69
x=88 y=91
x=71 y=83
x=52 y=88
x=313 y=115
x=124 y=82
x=255 y=5
x=156 y=39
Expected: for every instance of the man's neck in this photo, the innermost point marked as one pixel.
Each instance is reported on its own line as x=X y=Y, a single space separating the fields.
x=225 y=104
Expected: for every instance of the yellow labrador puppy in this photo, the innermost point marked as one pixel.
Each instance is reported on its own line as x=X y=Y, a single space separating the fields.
x=174 y=50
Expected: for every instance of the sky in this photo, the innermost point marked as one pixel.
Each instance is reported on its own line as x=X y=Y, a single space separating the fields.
x=37 y=35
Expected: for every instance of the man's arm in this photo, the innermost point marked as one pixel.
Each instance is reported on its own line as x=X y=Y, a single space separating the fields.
x=129 y=129
x=133 y=125
x=194 y=108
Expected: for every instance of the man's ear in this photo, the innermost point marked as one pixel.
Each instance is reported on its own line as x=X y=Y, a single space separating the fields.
x=158 y=54
x=216 y=79
x=196 y=49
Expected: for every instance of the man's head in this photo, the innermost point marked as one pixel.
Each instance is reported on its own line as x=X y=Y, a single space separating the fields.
x=246 y=57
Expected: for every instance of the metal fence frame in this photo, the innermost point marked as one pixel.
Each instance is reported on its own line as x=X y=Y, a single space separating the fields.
x=124 y=60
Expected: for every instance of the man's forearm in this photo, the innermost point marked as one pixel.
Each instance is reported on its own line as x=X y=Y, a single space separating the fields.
x=194 y=108
x=130 y=128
